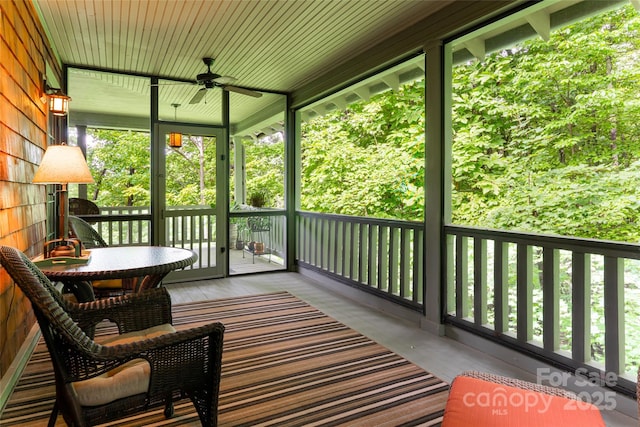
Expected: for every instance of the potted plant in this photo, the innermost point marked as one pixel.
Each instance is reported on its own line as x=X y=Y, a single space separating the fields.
x=242 y=228
x=257 y=198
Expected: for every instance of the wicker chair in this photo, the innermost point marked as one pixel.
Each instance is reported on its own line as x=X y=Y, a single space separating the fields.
x=169 y=365
x=88 y=235
x=90 y=238
x=83 y=207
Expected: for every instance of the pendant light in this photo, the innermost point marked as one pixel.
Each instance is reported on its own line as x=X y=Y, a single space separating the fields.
x=175 y=138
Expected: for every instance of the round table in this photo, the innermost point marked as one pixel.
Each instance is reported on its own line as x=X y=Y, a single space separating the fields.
x=151 y=263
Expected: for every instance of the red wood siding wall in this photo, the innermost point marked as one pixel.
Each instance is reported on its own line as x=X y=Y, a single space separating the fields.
x=24 y=51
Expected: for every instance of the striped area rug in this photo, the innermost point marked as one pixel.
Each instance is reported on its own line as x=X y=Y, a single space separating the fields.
x=285 y=363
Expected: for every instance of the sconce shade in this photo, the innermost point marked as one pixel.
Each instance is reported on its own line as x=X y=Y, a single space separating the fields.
x=63 y=164
x=175 y=140
x=58 y=104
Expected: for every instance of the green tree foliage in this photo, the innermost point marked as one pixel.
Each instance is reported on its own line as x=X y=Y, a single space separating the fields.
x=367 y=160
x=545 y=133
x=120 y=165
x=191 y=172
x=264 y=166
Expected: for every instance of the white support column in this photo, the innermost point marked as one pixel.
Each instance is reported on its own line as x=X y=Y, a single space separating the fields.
x=82 y=143
x=434 y=200
x=240 y=190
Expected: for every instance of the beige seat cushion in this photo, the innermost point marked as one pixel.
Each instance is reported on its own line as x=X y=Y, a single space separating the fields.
x=126 y=380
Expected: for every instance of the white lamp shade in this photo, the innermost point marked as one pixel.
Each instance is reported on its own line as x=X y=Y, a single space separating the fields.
x=63 y=164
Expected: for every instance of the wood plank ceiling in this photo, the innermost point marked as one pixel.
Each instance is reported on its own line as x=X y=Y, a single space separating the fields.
x=271 y=45
x=276 y=45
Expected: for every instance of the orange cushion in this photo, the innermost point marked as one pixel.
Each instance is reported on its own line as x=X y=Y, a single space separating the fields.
x=479 y=403
x=107 y=284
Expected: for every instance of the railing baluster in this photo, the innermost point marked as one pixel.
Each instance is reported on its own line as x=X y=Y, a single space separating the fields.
x=501 y=288
x=331 y=245
x=580 y=307
x=313 y=242
x=352 y=248
x=343 y=249
x=393 y=261
x=321 y=246
x=614 y=314
x=480 y=281
x=305 y=234
x=363 y=265
x=405 y=262
x=451 y=271
x=551 y=298
x=462 y=277
x=359 y=258
x=371 y=253
x=340 y=242
x=418 y=266
x=525 y=292
x=383 y=269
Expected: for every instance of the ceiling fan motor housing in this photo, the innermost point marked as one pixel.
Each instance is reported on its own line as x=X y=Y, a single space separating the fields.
x=207 y=79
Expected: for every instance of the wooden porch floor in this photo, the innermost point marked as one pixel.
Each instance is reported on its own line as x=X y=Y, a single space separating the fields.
x=442 y=356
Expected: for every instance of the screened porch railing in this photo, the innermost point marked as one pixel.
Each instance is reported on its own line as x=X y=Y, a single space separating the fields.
x=123 y=225
x=191 y=227
x=381 y=256
x=560 y=298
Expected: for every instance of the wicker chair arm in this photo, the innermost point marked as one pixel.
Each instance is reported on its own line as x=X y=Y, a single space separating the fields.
x=151 y=345
x=168 y=351
x=125 y=311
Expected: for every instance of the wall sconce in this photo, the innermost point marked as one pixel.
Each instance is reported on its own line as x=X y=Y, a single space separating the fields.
x=58 y=101
x=175 y=138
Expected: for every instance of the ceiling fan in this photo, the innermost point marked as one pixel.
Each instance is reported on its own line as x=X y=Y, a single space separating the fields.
x=210 y=80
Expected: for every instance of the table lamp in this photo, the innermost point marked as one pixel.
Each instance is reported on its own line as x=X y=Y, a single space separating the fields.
x=63 y=164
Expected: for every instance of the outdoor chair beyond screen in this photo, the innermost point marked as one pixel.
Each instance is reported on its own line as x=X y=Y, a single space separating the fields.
x=90 y=238
x=83 y=207
x=147 y=365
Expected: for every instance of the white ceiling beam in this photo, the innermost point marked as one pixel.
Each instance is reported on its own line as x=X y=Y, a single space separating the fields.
x=364 y=93
x=340 y=102
x=541 y=23
x=392 y=80
x=476 y=48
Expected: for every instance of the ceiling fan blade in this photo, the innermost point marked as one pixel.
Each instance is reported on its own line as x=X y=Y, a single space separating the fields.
x=198 y=96
x=224 y=80
x=242 y=91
